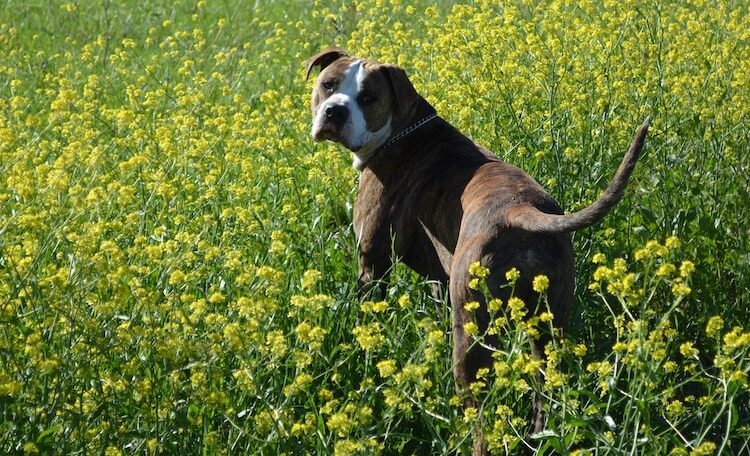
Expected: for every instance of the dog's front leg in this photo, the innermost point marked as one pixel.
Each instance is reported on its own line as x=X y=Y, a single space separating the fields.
x=373 y=269
x=375 y=261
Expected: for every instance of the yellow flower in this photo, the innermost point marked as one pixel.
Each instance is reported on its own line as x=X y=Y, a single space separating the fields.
x=276 y=344
x=517 y=308
x=379 y=307
x=347 y=447
x=521 y=386
x=471 y=306
x=436 y=337
x=714 y=326
x=672 y=242
x=739 y=376
x=688 y=351
x=470 y=414
x=216 y=298
x=603 y=272
x=704 y=449
x=233 y=336
x=680 y=289
x=302 y=428
x=736 y=339
x=369 y=336
x=300 y=383
x=650 y=250
x=532 y=366
x=112 y=451
x=477 y=387
x=277 y=243
x=686 y=268
x=386 y=368
x=512 y=275
x=340 y=424
x=665 y=270
x=310 y=278
x=675 y=408
x=471 y=328
x=478 y=271
x=244 y=380
x=311 y=335
x=546 y=317
x=540 y=283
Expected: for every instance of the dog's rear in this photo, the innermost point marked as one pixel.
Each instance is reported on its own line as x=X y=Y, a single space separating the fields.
x=533 y=235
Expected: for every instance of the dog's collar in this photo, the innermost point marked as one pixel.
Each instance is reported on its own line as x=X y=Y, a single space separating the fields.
x=406 y=132
x=396 y=138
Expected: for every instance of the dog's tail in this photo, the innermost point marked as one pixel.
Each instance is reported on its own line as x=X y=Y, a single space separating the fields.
x=529 y=218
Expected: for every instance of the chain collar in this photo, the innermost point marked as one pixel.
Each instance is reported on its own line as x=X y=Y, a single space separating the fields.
x=361 y=162
x=406 y=132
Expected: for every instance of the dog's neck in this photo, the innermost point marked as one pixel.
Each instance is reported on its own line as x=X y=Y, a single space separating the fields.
x=422 y=116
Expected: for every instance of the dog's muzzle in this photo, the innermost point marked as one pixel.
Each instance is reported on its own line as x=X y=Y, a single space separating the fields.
x=332 y=125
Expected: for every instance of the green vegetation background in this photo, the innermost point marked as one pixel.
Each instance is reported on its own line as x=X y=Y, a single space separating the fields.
x=177 y=264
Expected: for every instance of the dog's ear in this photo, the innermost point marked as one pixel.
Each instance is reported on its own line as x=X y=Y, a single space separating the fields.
x=324 y=58
x=404 y=93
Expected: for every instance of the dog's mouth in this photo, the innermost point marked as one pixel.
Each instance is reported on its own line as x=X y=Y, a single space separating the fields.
x=331 y=133
x=326 y=133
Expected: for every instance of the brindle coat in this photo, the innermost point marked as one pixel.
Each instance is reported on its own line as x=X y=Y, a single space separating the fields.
x=440 y=202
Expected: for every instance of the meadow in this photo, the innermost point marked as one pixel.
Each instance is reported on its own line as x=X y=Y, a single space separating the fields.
x=178 y=266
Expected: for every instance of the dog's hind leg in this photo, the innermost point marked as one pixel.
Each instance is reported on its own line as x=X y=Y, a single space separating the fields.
x=468 y=355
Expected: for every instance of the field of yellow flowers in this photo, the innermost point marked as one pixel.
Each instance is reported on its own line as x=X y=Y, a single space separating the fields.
x=177 y=264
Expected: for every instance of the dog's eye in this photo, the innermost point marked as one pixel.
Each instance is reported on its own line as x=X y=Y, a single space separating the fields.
x=328 y=86
x=366 y=98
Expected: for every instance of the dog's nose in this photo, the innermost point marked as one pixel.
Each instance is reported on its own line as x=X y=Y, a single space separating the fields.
x=337 y=114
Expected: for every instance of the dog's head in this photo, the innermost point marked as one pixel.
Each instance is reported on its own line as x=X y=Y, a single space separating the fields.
x=358 y=103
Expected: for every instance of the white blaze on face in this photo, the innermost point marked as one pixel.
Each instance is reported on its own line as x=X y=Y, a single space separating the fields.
x=354 y=133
